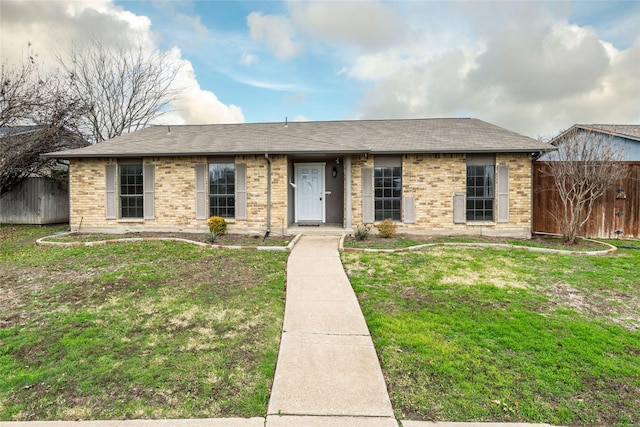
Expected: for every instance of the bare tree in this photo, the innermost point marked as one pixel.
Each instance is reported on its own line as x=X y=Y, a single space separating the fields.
x=99 y=93
x=584 y=167
x=124 y=88
x=21 y=154
x=37 y=115
x=21 y=90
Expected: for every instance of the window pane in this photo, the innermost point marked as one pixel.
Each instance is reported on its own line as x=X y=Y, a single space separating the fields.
x=222 y=190
x=387 y=193
x=131 y=191
x=480 y=192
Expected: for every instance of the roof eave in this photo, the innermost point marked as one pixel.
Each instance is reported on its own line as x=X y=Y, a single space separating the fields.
x=62 y=155
x=467 y=150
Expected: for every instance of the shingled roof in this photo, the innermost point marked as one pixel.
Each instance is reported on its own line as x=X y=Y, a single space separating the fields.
x=623 y=131
x=355 y=136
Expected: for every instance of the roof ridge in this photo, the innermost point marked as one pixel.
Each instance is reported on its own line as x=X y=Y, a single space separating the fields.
x=288 y=123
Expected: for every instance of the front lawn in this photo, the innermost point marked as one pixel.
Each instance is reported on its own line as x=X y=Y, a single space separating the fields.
x=468 y=334
x=136 y=330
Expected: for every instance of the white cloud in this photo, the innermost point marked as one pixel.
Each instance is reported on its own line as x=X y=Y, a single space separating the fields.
x=528 y=70
x=367 y=25
x=276 y=86
x=195 y=105
x=53 y=26
x=248 y=59
x=277 y=32
x=374 y=67
x=193 y=22
x=544 y=63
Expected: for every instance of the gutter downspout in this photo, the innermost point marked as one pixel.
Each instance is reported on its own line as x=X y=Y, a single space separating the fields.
x=266 y=156
x=534 y=158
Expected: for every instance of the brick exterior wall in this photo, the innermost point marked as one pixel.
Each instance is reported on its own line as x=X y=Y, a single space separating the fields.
x=432 y=178
x=520 y=191
x=87 y=187
x=175 y=196
x=257 y=194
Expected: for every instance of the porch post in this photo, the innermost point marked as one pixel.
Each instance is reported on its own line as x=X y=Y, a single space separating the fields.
x=347 y=192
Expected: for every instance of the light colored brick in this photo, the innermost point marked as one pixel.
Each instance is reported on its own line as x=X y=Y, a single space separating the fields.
x=432 y=178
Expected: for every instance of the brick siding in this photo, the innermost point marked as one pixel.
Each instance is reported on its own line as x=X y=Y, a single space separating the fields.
x=432 y=178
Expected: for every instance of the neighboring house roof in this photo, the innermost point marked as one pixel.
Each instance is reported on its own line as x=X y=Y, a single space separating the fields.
x=623 y=131
x=18 y=130
x=357 y=136
x=625 y=136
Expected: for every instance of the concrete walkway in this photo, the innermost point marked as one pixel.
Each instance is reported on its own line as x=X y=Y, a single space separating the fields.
x=328 y=372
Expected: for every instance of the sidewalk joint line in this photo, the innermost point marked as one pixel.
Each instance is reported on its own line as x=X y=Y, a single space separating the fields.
x=285 y=414
x=340 y=335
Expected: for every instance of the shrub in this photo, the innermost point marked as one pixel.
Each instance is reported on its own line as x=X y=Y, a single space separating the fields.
x=387 y=228
x=211 y=237
x=361 y=232
x=217 y=225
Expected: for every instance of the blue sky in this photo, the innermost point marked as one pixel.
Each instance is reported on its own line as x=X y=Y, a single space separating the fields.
x=530 y=66
x=268 y=89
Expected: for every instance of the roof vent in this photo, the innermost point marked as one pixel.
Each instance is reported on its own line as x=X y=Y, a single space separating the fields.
x=168 y=130
x=286 y=122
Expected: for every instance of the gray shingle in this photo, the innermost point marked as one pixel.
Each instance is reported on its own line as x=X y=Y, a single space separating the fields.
x=357 y=136
x=627 y=131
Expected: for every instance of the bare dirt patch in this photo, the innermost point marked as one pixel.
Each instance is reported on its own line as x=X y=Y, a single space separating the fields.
x=616 y=306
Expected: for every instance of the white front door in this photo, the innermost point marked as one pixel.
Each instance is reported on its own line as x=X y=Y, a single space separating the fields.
x=310 y=192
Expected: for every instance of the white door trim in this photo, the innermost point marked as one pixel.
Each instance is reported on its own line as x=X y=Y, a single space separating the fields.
x=322 y=194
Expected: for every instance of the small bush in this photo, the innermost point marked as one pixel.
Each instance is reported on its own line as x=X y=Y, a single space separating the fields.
x=217 y=225
x=387 y=228
x=362 y=232
x=211 y=237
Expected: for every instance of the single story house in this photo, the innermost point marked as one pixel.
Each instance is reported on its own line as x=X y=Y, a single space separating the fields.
x=440 y=176
x=617 y=212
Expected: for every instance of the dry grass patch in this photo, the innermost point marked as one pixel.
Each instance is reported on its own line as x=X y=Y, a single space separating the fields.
x=136 y=330
x=482 y=335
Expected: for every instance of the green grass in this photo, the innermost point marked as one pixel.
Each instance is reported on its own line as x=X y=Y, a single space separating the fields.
x=136 y=330
x=400 y=241
x=507 y=336
x=382 y=243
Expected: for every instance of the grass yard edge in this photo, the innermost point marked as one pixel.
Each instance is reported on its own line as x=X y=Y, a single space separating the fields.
x=44 y=242
x=611 y=248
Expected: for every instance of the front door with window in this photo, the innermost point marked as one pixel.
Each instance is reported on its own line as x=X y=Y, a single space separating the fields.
x=310 y=203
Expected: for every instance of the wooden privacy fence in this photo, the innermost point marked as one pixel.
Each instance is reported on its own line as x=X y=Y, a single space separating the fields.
x=615 y=214
x=36 y=201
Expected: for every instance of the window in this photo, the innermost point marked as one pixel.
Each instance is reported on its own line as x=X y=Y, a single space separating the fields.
x=480 y=192
x=387 y=192
x=222 y=198
x=131 y=191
